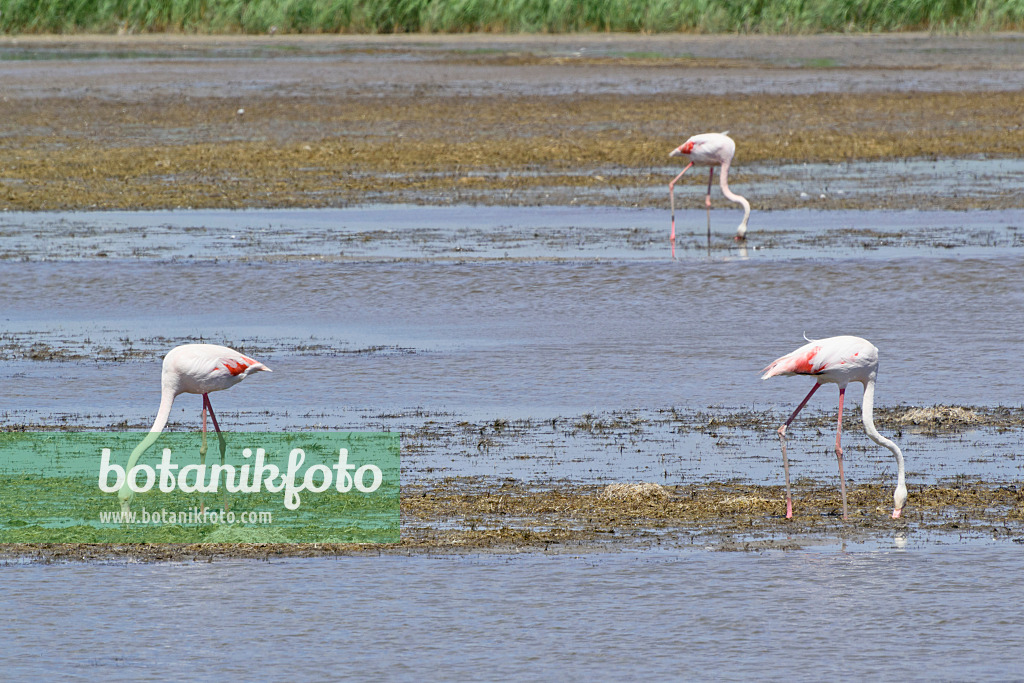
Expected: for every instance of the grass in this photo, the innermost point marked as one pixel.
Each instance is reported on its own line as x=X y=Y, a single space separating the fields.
x=531 y=16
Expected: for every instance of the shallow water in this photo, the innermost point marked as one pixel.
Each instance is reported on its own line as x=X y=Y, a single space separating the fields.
x=545 y=233
x=494 y=339
x=916 y=610
x=393 y=317
x=535 y=312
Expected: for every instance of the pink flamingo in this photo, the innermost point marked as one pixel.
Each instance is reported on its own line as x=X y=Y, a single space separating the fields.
x=709 y=149
x=192 y=369
x=838 y=360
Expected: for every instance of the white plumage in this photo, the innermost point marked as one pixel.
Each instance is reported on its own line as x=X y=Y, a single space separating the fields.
x=710 y=149
x=838 y=360
x=192 y=369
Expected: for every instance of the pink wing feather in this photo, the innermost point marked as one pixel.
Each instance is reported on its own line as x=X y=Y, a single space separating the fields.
x=838 y=358
x=803 y=361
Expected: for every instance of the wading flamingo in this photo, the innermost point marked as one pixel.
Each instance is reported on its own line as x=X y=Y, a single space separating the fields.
x=192 y=369
x=838 y=360
x=709 y=149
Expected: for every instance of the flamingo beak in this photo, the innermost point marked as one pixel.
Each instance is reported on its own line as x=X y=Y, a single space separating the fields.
x=678 y=151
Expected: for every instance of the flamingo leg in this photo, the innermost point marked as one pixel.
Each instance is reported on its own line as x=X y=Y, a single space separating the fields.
x=202 y=453
x=782 y=440
x=839 y=449
x=785 y=467
x=672 y=200
x=220 y=439
x=707 y=202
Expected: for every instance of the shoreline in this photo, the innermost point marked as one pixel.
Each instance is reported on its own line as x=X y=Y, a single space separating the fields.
x=507 y=518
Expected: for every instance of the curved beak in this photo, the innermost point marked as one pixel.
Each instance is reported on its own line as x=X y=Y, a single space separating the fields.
x=678 y=151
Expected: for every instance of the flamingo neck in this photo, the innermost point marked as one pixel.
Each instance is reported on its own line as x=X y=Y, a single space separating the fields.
x=869 y=426
x=166 y=400
x=723 y=181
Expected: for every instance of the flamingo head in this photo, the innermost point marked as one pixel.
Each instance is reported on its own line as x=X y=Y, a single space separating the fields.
x=125 y=495
x=258 y=367
x=684 y=148
x=243 y=366
x=900 y=500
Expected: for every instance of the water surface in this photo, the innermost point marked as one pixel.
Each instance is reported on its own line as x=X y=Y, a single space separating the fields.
x=495 y=339
x=920 y=611
x=405 y=317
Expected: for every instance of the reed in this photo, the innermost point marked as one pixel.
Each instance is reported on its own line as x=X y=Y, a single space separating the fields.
x=531 y=16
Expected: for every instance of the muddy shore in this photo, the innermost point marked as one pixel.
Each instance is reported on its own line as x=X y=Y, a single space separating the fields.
x=458 y=513
x=185 y=121
x=462 y=515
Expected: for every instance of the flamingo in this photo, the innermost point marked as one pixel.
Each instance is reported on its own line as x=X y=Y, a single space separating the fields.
x=192 y=369
x=710 y=149
x=838 y=360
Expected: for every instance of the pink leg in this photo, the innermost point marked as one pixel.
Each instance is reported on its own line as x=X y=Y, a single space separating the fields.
x=202 y=452
x=782 y=439
x=672 y=200
x=839 y=449
x=220 y=438
x=207 y=404
x=707 y=203
x=782 y=429
x=202 y=447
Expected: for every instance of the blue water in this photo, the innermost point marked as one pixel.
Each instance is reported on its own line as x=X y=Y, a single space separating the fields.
x=391 y=316
x=925 y=612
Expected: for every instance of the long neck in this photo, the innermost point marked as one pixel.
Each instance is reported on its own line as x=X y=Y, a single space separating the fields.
x=166 y=399
x=723 y=180
x=869 y=427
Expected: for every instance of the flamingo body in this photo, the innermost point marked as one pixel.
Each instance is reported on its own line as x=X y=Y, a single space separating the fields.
x=708 y=149
x=711 y=149
x=202 y=368
x=192 y=369
x=839 y=360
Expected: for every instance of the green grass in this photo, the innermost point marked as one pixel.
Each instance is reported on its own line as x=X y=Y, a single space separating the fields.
x=547 y=16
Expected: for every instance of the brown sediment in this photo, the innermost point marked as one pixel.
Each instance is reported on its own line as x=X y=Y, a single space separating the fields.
x=464 y=514
x=928 y=420
x=327 y=150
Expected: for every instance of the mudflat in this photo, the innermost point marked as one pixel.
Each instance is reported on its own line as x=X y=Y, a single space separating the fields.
x=169 y=121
